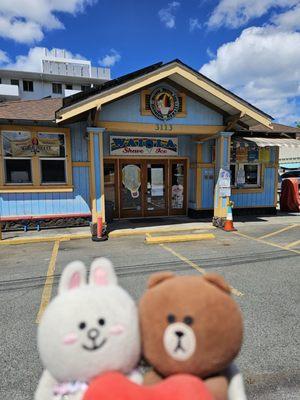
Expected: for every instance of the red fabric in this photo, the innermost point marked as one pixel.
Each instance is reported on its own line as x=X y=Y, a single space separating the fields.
x=290 y=199
x=115 y=386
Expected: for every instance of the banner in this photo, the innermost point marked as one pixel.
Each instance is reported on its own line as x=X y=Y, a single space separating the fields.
x=143 y=146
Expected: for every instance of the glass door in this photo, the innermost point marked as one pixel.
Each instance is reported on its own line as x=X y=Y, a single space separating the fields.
x=178 y=187
x=156 y=187
x=131 y=190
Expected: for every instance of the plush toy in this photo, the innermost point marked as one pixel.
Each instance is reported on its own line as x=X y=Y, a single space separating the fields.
x=114 y=386
x=86 y=330
x=190 y=324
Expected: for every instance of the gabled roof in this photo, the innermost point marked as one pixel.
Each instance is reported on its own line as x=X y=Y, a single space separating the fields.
x=31 y=110
x=174 y=70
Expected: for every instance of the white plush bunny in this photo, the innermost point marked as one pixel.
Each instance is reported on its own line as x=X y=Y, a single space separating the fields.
x=86 y=330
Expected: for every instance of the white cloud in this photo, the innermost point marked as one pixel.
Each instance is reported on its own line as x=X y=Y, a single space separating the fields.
x=25 y=21
x=236 y=13
x=194 y=24
x=289 y=20
x=262 y=66
x=32 y=61
x=110 y=59
x=167 y=15
x=3 y=57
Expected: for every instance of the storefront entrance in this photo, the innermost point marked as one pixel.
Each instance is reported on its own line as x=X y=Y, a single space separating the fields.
x=146 y=187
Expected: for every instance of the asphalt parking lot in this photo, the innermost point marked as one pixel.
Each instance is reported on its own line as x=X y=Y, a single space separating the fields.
x=260 y=261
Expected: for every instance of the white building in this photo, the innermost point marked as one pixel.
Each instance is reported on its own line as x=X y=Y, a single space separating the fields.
x=59 y=76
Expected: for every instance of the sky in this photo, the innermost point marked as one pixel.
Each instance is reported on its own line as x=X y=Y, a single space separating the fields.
x=251 y=47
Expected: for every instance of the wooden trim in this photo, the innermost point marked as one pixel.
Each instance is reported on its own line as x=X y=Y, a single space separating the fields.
x=100 y=136
x=35 y=159
x=34 y=128
x=198 y=183
x=36 y=189
x=202 y=165
x=92 y=178
x=81 y=164
x=151 y=78
x=128 y=127
x=276 y=166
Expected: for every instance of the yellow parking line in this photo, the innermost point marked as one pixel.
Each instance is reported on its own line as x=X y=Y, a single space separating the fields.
x=46 y=295
x=279 y=231
x=265 y=242
x=196 y=267
x=292 y=244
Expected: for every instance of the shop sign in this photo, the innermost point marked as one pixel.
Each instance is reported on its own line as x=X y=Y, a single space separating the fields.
x=42 y=146
x=164 y=103
x=143 y=146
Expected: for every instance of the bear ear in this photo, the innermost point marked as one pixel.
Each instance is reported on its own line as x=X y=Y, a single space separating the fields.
x=102 y=273
x=218 y=281
x=159 y=277
x=73 y=276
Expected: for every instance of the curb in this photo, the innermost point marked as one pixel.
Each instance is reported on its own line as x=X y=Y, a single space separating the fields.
x=178 y=238
x=45 y=239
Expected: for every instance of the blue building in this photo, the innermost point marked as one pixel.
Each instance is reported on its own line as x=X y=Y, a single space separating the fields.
x=149 y=143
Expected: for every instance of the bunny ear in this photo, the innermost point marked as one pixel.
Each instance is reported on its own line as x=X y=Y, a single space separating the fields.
x=102 y=273
x=73 y=276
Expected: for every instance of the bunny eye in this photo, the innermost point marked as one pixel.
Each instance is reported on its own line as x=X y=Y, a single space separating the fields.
x=82 y=325
x=101 y=321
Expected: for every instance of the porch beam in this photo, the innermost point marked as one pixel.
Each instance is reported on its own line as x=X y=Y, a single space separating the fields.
x=160 y=128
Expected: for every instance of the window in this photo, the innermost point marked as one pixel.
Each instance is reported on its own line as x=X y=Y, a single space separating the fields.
x=57 y=88
x=84 y=88
x=245 y=164
x=69 y=87
x=28 y=86
x=14 y=82
x=52 y=157
x=17 y=161
x=34 y=158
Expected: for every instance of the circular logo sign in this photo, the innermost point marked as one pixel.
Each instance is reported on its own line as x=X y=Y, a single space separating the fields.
x=164 y=103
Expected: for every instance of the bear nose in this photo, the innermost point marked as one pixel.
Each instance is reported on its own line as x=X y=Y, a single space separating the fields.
x=179 y=334
x=93 y=333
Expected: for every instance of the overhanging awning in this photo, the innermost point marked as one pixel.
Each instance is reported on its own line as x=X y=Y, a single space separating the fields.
x=269 y=142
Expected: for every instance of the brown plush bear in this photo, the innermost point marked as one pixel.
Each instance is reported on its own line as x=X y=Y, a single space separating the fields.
x=190 y=324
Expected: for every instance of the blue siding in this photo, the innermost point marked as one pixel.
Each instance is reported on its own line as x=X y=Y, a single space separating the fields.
x=79 y=144
x=207 y=188
x=264 y=199
x=128 y=110
x=76 y=202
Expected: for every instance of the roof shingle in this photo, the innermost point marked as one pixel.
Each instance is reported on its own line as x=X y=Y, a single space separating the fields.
x=31 y=110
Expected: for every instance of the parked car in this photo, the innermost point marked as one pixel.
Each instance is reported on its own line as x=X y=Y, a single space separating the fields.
x=294 y=173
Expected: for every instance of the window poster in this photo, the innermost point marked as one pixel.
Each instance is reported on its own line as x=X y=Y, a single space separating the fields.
x=241 y=152
x=240 y=177
x=253 y=153
x=264 y=155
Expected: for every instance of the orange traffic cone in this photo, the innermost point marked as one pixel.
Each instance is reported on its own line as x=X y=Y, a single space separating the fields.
x=228 y=226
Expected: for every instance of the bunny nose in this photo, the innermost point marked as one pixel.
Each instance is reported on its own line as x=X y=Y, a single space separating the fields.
x=93 y=333
x=179 y=334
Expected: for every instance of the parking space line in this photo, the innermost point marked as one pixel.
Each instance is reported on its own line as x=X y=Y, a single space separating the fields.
x=279 y=231
x=265 y=242
x=196 y=267
x=46 y=295
x=292 y=244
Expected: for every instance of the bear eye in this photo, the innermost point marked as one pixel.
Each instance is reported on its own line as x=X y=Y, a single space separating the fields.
x=82 y=325
x=171 y=318
x=188 y=320
x=101 y=321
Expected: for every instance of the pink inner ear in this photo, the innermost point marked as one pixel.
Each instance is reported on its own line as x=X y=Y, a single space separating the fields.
x=74 y=281
x=100 y=277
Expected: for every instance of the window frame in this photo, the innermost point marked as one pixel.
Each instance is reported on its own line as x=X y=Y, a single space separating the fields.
x=57 y=85
x=36 y=173
x=15 y=84
x=27 y=83
x=238 y=166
